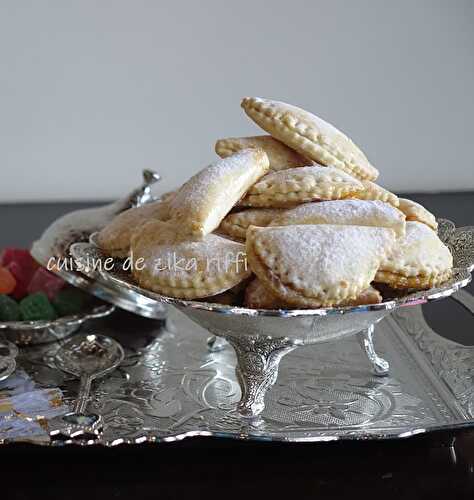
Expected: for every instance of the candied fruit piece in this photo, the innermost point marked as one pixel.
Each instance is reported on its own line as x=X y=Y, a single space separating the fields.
x=7 y=281
x=70 y=301
x=22 y=278
x=44 y=281
x=21 y=256
x=9 y=309
x=37 y=307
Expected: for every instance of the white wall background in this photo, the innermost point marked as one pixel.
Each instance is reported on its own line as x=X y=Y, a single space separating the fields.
x=91 y=92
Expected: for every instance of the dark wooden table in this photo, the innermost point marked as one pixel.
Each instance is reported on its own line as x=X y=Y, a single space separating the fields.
x=439 y=465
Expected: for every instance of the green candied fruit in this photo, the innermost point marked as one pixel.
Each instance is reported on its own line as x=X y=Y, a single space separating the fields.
x=37 y=307
x=69 y=301
x=9 y=309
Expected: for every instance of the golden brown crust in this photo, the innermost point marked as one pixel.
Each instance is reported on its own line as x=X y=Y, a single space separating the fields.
x=368 y=296
x=167 y=264
x=114 y=238
x=309 y=135
x=372 y=191
x=281 y=157
x=236 y=224
x=420 y=260
x=416 y=212
x=167 y=197
x=257 y=296
x=290 y=187
x=420 y=282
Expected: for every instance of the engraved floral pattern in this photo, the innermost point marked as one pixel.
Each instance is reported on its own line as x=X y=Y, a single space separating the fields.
x=175 y=386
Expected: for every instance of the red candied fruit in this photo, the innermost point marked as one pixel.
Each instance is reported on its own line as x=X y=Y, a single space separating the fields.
x=44 y=281
x=22 y=266
x=22 y=277
x=21 y=256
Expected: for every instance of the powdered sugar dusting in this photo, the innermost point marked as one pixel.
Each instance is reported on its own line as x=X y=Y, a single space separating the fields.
x=416 y=232
x=352 y=212
x=210 y=194
x=420 y=251
x=169 y=259
x=325 y=256
x=211 y=178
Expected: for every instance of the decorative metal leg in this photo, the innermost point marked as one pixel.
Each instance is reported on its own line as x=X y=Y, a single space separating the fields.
x=215 y=344
x=258 y=359
x=380 y=367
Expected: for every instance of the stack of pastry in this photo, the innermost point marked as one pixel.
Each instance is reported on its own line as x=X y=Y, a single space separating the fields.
x=293 y=219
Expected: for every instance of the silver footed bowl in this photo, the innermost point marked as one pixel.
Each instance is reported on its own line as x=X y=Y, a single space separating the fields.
x=262 y=337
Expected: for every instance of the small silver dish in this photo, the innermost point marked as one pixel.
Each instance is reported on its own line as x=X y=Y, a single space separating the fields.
x=261 y=338
x=25 y=333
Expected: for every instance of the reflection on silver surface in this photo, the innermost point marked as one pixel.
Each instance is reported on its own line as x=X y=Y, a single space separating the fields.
x=380 y=366
x=173 y=387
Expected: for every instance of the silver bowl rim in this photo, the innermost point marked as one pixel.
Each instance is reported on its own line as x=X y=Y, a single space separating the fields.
x=415 y=298
x=461 y=277
x=97 y=311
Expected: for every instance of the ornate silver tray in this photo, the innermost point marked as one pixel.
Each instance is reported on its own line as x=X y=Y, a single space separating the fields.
x=261 y=338
x=170 y=385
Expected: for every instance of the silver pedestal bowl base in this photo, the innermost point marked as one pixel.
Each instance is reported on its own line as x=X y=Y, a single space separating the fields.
x=261 y=338
x=260 y=342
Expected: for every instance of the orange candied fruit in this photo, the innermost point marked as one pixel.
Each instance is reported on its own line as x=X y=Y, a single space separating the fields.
x=7 y=281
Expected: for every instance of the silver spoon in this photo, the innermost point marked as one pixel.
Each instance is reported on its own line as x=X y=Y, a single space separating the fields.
x=88 y=357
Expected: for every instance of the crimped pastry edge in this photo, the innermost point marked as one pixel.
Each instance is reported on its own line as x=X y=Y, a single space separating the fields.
x=231 y=225
x=212 y=286
x=306 y=141
x=287 y=200
x=384 y=195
